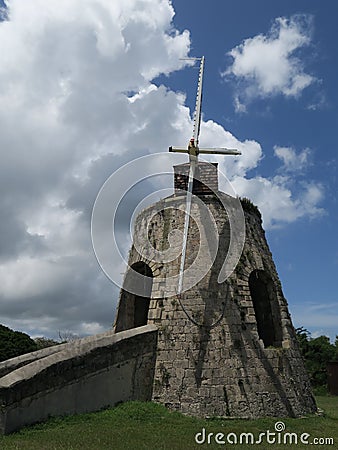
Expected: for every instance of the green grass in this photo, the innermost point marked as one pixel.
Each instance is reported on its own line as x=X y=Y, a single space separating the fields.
x=149 y=426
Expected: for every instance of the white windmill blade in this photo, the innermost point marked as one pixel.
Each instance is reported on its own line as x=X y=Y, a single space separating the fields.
x=198 y=108
x=193 y=150
x=192 y=169
x=191 y=58
x=193 y=164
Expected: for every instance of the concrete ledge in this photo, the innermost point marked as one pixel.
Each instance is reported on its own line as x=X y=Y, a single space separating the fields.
x=81 y=376
x=14 y=363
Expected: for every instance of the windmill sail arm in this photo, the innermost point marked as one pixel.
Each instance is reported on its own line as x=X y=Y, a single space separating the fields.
x=192 y=169
x=198 y=107
x=209 y=151
x=179 y=149
x=220 y=151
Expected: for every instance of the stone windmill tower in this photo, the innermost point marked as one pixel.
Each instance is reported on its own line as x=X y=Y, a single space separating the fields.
x=225 y=345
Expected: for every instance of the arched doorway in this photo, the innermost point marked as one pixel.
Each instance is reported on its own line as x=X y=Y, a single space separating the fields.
x=133 y=308
x=265 y=303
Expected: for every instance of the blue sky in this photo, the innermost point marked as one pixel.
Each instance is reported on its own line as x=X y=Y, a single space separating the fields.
x=88 y=86
x=305 y=251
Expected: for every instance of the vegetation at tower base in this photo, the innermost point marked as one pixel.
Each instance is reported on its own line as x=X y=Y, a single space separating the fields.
x=250 y=207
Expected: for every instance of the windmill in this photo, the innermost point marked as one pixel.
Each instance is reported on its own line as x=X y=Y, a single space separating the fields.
x=193 y=151
x=247 y=364
x=226 y=347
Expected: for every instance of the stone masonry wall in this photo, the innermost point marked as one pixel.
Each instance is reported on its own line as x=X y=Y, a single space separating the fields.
x=205 y=172
x=215 y=355
x=84 y=376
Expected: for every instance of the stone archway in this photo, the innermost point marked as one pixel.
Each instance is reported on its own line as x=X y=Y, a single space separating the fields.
x=265 y=303
x=133 y=308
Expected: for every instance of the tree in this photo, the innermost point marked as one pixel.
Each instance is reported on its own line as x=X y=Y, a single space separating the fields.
x=14 y=343
x=303 y=336
x=67 y=336
x=43 y=342
x=317 y=352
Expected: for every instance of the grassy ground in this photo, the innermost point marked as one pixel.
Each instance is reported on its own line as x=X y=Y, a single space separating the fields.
x=137 y=425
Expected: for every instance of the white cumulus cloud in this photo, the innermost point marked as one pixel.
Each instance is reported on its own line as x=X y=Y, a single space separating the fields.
x=292 y=161
x=281 y=199
x=67 y=73
x=268 y=65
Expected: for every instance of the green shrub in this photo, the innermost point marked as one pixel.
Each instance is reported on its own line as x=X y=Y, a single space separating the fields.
x=14 y=343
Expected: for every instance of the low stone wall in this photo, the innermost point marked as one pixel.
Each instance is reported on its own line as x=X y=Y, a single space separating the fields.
x=82 y=376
